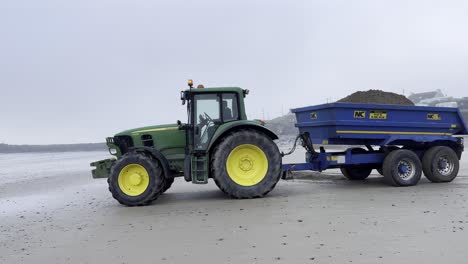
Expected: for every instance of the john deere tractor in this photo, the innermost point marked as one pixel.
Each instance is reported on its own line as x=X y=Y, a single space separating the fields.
x=217 y=142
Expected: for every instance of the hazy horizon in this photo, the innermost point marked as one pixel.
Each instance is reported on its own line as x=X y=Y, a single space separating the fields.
x=78 y=71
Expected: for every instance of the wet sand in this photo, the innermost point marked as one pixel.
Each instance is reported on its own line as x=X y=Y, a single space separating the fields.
x=51 y=211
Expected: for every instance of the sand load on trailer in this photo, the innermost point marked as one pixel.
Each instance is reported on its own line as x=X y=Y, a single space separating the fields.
x=376 y=97
x=284 y=125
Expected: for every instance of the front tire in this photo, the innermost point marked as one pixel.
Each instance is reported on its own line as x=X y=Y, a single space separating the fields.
x=136 y=179
x=440 y=164
x=246 y=164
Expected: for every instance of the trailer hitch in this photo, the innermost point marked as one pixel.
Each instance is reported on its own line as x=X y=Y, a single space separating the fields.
x=311 y=154
x=305 y=143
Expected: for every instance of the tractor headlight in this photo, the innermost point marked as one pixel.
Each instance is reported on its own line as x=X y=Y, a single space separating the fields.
x=113 y=151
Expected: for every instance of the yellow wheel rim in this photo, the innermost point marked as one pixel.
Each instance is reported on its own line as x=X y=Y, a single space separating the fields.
x=247 y=165
x=133 y=180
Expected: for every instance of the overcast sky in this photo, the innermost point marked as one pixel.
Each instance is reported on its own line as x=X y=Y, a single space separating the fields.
x=78 y=71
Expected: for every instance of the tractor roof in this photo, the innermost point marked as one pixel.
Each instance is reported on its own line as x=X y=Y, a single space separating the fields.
x=215 y=89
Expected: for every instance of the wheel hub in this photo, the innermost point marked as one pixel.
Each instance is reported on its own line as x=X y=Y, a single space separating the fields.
x=406 y=169
x=403 y=169
x=135 y=179
x=246 y=163
x=444 y=166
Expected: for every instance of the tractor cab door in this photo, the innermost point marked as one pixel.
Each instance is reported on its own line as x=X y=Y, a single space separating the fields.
x=206 y=117
x=209 y=111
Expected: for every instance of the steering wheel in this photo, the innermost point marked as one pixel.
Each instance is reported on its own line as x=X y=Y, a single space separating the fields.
x=207 y=117
x=206 y=121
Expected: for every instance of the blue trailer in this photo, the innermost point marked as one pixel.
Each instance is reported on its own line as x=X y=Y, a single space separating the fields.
x=401 y=142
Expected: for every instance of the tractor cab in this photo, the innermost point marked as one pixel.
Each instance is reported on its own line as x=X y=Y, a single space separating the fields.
x=208 y=109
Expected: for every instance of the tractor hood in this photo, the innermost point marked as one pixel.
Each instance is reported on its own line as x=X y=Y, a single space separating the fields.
x=148 y=130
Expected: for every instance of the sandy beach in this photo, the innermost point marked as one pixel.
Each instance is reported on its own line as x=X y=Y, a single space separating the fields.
x=52 y=211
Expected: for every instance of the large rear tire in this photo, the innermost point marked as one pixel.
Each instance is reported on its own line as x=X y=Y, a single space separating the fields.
x=440 y=164
x=246 y=164
x=402 y=168
x=136 y=179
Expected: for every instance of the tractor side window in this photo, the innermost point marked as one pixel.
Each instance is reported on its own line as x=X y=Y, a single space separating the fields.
x=207 y=117
x=229 y=107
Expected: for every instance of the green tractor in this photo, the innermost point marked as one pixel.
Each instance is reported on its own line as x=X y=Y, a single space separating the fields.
x=217 y=142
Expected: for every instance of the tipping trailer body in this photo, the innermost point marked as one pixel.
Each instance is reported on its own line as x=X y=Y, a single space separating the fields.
x=378 y=127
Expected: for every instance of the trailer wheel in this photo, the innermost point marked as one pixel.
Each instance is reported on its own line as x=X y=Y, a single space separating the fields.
x=356 y=172
x=136 y=179
x=440 y=164
x=402 y=168
x=246 y=164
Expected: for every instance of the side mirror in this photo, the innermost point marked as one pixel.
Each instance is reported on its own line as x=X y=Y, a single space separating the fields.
x=182 y=97
x=182 y=126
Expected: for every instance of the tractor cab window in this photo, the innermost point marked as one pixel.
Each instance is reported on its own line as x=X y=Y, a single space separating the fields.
x=207 y=117
x=229 y=107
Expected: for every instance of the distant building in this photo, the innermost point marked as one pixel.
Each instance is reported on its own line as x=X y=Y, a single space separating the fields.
x=418 y=97
x=438 y=99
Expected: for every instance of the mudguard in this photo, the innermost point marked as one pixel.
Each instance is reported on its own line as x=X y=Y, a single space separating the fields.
x=231 y=126
x=158 y=156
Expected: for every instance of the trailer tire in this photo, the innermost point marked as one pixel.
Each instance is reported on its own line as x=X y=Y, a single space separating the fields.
x=386 y=150
x=136 y=179
x=246 y=164
x=440 y=164
x=356 y=172
x=402 y=168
